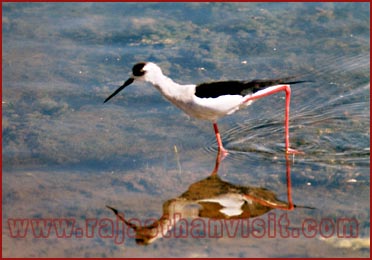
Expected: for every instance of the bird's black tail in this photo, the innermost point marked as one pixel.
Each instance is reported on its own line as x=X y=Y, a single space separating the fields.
x=234 y=87
x=260 y=84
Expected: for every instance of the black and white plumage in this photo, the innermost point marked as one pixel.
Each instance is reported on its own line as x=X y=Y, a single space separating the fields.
x=210 y=101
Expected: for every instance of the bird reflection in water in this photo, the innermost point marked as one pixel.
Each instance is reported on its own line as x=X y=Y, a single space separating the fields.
x=211 y=198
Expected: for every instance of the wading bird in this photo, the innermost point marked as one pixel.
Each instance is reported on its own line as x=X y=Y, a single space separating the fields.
x=213 y=100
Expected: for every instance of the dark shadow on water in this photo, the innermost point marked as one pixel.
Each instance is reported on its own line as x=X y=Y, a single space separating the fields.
x=211 y=198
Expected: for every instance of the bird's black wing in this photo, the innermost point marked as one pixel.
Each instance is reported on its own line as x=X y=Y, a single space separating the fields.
x=221 y=88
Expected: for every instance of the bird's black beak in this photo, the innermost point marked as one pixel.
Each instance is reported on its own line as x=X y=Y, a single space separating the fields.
x=126 y=83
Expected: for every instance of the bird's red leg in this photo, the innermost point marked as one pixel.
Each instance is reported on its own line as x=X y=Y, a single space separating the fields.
x=273 y=90
x=222 y=151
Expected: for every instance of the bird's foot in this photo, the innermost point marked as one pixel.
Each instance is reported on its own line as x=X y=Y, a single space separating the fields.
x=222 y=153
x=293 y=151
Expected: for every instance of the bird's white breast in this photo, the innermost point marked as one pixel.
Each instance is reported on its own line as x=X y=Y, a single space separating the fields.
x=214 y=108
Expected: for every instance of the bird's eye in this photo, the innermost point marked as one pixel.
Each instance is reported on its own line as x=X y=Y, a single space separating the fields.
x=138 y=69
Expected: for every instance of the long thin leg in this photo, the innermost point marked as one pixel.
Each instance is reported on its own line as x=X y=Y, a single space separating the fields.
x=222 y=151
x=273 y=90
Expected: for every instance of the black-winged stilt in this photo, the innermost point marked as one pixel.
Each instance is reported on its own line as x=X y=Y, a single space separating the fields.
x=211 y=101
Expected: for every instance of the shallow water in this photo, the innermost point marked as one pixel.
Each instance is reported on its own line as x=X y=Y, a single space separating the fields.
x=66 y=155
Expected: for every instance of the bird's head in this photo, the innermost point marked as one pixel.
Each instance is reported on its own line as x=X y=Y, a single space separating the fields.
x=142 y=71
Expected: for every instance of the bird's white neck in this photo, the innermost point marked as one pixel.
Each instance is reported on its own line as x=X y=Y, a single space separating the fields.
x=170 y=89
